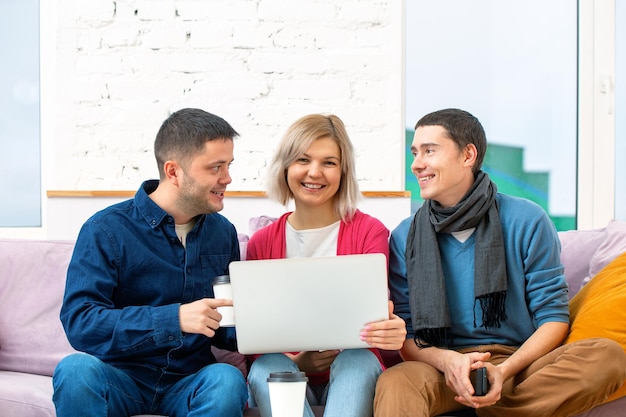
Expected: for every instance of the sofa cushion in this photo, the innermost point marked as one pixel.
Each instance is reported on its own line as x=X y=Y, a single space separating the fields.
x=598 y=309
x=259 y=222
x=613 y=244
x=32 y=283
x=25 y=395
x=28 y=395
x=577 y=249
x=609 y=409
x=585 y=252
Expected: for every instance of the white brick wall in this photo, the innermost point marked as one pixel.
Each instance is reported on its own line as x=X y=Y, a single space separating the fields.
x=123 y=66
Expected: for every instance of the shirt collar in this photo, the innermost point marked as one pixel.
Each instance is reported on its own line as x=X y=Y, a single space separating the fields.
x=151 y=212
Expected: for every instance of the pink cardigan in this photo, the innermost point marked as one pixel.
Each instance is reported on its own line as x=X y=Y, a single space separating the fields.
x=363 y=234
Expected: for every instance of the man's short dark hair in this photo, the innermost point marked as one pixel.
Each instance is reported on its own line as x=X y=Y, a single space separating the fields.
x=462 y=127
x=185 y=132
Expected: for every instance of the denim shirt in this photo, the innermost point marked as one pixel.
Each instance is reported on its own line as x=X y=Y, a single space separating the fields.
x=128 y=276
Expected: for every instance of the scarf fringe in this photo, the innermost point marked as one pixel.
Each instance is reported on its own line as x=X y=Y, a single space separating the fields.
x=440 y=337
x=493 y=308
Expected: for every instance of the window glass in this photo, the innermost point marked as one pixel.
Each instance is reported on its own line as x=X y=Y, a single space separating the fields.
x=20 y=182
x=514 y=69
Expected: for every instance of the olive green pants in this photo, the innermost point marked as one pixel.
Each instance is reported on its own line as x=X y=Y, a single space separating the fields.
x=569 y=380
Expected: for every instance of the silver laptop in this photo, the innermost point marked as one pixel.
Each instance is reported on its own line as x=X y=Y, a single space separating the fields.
x=306 y=304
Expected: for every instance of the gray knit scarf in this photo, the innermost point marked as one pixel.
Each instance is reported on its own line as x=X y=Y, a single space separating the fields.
x=427 y=291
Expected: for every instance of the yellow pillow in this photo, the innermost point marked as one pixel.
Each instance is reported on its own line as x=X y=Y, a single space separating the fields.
x=597 y=310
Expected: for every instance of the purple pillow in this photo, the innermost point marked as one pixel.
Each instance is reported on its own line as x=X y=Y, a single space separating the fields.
x=577 y=249
x=259 y=222
x=613 y=245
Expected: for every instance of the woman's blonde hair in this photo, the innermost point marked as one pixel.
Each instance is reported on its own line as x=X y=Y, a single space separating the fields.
x=296 y=140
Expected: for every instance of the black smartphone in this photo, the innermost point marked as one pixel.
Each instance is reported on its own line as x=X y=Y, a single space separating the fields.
x=480 y=381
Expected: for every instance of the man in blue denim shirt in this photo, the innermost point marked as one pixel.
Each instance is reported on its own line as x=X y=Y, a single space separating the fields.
x=139 y=299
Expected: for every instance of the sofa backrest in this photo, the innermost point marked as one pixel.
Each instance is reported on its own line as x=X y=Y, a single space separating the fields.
x=32 y=282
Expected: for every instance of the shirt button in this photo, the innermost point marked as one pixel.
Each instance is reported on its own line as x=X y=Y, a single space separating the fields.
x=171 y=338
x=189 y=270
x=153 y=222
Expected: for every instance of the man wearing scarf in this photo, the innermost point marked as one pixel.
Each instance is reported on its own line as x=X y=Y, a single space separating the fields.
x=477 y=277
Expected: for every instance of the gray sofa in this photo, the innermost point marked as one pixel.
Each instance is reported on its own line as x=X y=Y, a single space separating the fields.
x=32 y=341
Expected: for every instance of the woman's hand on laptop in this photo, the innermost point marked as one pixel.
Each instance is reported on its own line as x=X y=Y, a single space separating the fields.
x=317 y=361
x=387 y=334
x=201 y=316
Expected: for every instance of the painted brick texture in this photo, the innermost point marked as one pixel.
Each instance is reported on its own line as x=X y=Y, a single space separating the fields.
x=123 y=66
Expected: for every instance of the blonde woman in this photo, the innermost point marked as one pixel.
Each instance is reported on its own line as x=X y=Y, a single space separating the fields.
x=314 y=166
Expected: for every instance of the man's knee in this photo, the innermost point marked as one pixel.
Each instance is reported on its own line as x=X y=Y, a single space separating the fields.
x=408 y=378
x=614 y=354
x=224 y=377
x=390 y=379
x=76 y=367
x=387 y=397
x=226 y=382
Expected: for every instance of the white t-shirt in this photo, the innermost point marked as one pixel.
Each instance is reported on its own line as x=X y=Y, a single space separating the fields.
x=463 y=235
x=182 y=230
x=311 y=243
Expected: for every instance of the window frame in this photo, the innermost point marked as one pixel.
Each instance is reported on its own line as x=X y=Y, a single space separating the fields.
x=596 y=114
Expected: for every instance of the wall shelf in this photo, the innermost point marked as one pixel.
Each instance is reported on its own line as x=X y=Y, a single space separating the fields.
x=248 y=194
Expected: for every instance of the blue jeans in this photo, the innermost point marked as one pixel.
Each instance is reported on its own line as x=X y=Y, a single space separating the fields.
x=349 y=393
x=86 y=386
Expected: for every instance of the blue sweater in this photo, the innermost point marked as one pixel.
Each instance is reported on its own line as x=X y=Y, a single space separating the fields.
x=536 y=286
x=128 y=276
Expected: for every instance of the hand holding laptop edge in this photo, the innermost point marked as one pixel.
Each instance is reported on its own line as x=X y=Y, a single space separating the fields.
x=387 y=334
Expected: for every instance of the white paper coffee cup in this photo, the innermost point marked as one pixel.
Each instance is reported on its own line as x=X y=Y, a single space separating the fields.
x=222 y=289
x=287 y=393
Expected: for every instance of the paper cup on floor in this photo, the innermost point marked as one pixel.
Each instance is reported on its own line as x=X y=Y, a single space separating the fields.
x=287 y=393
